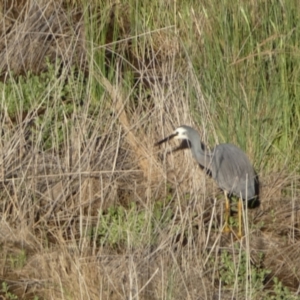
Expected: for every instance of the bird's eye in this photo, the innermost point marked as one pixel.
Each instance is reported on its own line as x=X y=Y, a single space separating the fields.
x=180 y=133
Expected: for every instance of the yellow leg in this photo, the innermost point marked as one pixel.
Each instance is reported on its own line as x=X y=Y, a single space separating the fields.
x=227 y=213
x=240 y=207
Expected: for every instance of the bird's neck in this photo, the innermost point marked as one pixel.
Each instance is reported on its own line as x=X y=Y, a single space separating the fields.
x=202 y=155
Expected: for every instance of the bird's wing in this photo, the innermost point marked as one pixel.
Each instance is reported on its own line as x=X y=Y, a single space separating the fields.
x=232 y=170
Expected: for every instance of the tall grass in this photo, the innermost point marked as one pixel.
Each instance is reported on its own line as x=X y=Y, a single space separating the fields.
x=248 y=69
x=90 y=209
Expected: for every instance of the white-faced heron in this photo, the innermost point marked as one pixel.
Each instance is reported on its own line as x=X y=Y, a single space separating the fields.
x=228 y=165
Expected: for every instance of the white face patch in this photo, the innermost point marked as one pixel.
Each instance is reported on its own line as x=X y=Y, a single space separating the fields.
x=181 y=133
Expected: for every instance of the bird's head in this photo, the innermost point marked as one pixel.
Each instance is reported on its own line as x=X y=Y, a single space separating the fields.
x=181 y=133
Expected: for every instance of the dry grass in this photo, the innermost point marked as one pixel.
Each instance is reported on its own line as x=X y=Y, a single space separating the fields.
x=32 y=31
x=52 y=199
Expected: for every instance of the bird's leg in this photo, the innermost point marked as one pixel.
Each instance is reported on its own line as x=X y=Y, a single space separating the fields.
x=240 y=207
x=227 y=213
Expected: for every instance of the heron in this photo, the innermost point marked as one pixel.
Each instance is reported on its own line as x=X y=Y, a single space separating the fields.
x=228 y=165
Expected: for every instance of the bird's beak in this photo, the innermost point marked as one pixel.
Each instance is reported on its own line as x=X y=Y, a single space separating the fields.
x=166 y=139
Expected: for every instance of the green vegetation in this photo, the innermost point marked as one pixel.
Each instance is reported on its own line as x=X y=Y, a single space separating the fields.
x=126 y=228
x=6 y=293
x=19 y=260
x=60 y=95
x=238 y=270
x=90 y=209
x=248 y=68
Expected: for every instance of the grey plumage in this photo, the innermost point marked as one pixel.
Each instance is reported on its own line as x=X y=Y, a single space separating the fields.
x=228 y=165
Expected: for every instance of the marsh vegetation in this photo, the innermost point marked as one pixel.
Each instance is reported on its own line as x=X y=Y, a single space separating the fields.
x=89 y=208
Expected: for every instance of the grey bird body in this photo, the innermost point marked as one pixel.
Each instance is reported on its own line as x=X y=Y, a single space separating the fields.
x=229 y=166
x=233 y=171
